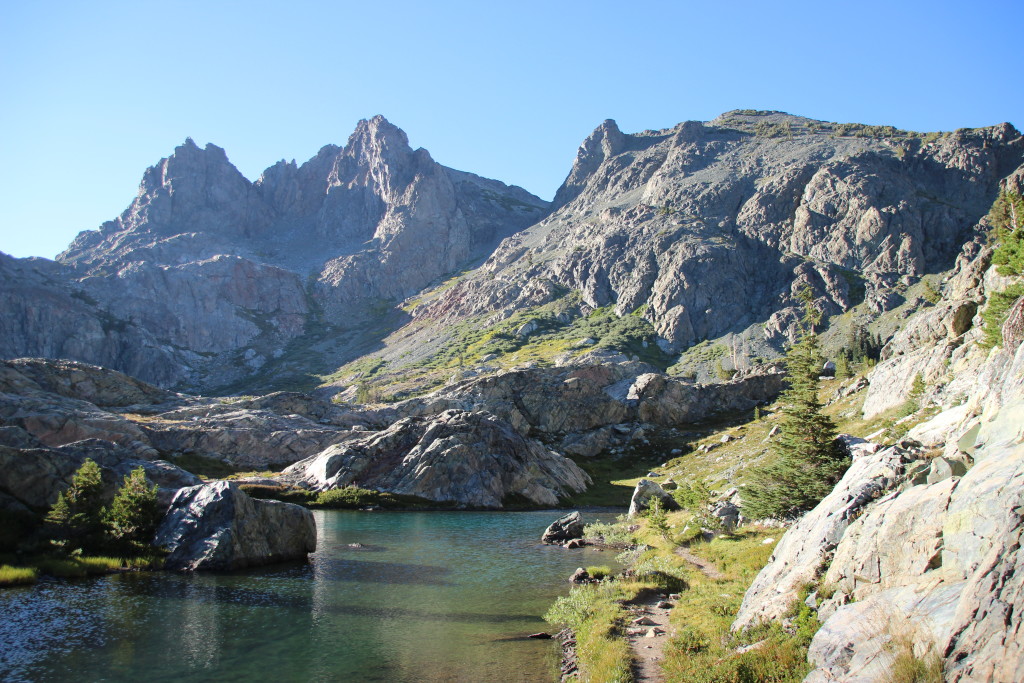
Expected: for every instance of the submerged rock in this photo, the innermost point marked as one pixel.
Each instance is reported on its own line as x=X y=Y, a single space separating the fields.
x=218 y=527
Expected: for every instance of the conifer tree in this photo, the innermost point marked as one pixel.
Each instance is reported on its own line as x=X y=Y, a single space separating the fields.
x=75 y=520
x=809 y=459
x=132 y=517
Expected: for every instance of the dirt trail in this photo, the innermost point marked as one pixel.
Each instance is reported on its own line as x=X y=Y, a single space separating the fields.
x=648 y=633
x=706 y=568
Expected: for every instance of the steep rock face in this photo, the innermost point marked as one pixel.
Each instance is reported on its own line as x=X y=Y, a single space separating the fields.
x=672 y=220
x=471 y=459
x=934 y=563
x=218 y=527
x=566 y=402
x=207 y=276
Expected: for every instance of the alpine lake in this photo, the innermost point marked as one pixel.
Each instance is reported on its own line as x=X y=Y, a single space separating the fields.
x=388 y=596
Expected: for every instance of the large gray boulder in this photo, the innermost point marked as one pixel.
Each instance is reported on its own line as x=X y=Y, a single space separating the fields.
x=564 y=529
x=469 y=459
x=218 y=527
x=646 y=491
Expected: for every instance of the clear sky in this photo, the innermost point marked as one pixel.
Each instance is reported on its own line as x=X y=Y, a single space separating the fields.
x=91 y=93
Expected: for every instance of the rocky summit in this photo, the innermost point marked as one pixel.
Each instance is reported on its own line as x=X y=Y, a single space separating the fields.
x=207 y=277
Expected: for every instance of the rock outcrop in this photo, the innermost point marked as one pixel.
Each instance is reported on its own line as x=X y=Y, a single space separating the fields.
x=803 y=550
x=564 y=529
x=645 y=492
x=591 y=407
x=218 y=527
x=467 y=459
x=932 y=560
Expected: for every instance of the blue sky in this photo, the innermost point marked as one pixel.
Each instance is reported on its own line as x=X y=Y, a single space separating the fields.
x=93 y=93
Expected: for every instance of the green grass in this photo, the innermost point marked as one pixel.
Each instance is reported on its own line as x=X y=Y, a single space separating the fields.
x=906 y=667
x=610 y=487
x=348 y=498
x=596 y=615
x=16 y=576
x=78 y=567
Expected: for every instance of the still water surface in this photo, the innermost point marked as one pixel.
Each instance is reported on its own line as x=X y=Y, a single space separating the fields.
x=438 y=596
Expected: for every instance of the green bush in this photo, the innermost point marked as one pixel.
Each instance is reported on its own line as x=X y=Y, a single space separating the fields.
x=996 y=311
x=617 y=534
x=1007 y=217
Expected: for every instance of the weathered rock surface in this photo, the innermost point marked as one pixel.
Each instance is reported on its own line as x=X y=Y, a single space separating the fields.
x=33 y=474
x=646 y=491
x=469 y=459
x=218 y=527
x=587 y=406
x=935 y=564
x=564 y=529
x=803 y=550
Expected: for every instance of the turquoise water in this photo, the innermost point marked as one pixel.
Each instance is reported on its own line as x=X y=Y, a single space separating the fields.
x=432 y=596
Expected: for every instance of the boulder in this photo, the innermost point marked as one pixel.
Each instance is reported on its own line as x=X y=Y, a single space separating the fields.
x=467 y=459
x=643 y=493
x=581 y=575
x=564 y=529
x=218 y=527
x=727 y=514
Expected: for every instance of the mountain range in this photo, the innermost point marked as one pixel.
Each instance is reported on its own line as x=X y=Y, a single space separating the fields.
x=682 y=247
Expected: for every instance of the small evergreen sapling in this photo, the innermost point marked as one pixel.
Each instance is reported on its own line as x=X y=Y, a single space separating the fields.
x=133 y=515
x=74 y=521
x=809 y=458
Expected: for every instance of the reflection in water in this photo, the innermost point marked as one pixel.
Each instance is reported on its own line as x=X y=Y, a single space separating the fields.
x=200 y=637
x=430 y=597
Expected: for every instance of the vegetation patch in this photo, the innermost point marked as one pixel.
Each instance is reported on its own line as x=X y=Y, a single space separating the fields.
x=346 y=498
x=17 y=576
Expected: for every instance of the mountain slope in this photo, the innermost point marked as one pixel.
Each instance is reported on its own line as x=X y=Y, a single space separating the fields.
x=706 y=230
x=208 y=277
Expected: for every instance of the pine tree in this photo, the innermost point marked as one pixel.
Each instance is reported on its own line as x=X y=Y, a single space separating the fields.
x=809 y=459
x=843 y=366
x=132 y=517
x=75 y=520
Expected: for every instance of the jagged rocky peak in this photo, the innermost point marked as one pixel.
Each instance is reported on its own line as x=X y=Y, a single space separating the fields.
x=605 y=142
x=206 y=277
